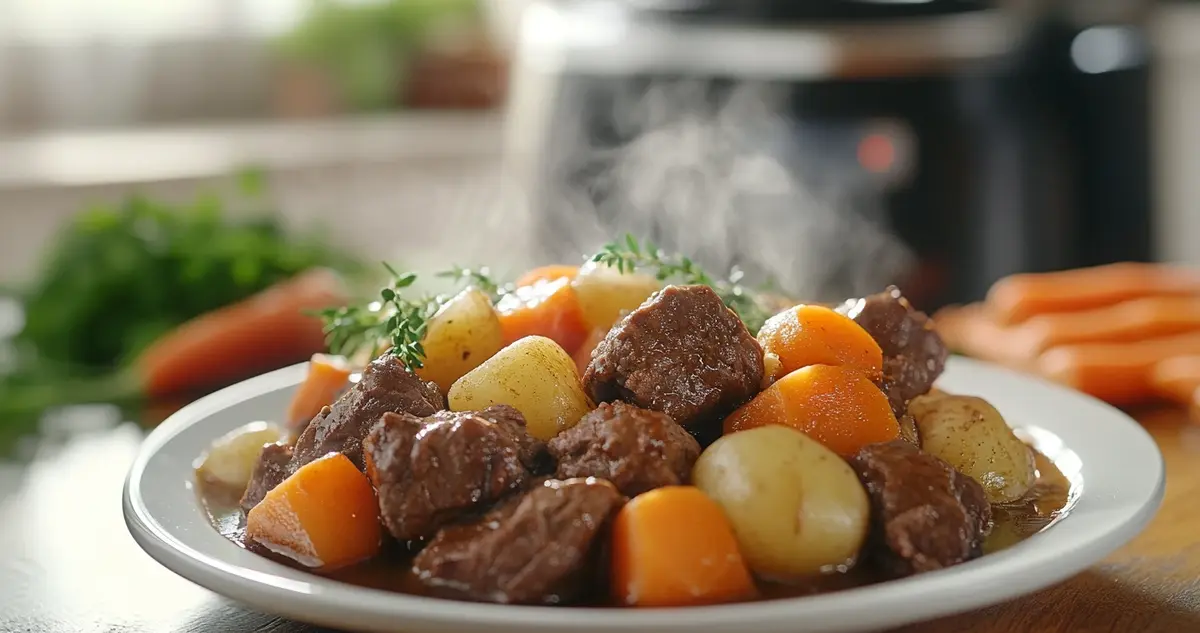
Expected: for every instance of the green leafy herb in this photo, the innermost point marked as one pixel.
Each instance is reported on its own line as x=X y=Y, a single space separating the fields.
x=121 y=275
x=396 y=319
x=480 y=278
x=629 y=255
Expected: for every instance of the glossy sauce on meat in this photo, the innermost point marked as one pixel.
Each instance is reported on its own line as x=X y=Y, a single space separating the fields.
x=1048 y=500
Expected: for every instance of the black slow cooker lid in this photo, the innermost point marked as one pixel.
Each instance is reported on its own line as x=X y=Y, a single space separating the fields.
x=763 y=11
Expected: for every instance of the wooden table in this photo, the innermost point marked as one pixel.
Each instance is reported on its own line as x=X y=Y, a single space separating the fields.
x=69 y=565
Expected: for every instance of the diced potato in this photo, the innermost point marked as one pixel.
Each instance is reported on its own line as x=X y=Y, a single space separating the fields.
x=969 y=434
x=231 y=458
x=605 y=294
x=533 y=375
x=796 y=507
x=462 y=335
x=324 y=516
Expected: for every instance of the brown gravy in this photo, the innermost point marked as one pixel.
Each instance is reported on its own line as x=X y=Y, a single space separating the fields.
x=1050 y=499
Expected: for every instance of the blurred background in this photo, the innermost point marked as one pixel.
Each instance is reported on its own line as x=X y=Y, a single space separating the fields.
x=161 y=160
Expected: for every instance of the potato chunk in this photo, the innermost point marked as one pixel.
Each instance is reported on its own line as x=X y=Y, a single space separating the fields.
x=605 y=293
x=534 y=376
x=464 y=333
x=796 y=507
x=969 y=434
x=231 y=458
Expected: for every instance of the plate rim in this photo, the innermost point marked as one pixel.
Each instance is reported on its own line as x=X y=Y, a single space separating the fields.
x=316 y=599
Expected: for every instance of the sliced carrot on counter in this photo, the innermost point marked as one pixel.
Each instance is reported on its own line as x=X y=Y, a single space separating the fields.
x=551 y=272
x=674 y=546
x=1177 y=379
x=268 y=330
x=1018 y=297
x=327 y=376
x=324 y=516
x=1118 y=373
x=815 y=335
x=546 y=308
x=837 y=406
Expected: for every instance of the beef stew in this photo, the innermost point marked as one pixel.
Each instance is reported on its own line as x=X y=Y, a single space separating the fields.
x=477 y=504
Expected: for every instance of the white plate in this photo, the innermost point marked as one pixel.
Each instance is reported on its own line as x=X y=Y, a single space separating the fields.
x=1118 y=463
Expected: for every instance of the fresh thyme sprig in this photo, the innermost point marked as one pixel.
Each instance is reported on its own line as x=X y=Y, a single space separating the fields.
x=629 y=255
x=395 y=318
x=479 y=278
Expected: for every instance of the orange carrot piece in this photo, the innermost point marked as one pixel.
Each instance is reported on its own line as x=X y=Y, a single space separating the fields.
x=266 y=331
x=837 y=406
x=546 y=308
x=552 y=272
x=327 y=376
x=674 y=546
x=1118 y=373
x=324 y=516
x=1018 y=297
x=1176 y=378
x=815 y=335
x=583 y=356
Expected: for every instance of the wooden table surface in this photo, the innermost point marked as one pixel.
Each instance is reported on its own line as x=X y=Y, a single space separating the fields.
x=70 y=566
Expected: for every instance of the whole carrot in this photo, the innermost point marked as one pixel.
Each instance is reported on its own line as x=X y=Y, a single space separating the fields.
x=1177 y=378
x=1134 y=320
x=266 y=331
x=1118 y=373
x=1018 y=297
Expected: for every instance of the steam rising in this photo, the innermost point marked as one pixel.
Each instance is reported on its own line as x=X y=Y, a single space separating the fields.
x=710 y=172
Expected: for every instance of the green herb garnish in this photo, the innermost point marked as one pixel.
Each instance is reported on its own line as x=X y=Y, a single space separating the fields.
x=396 y=319
x=479 y=278
x=629 y=255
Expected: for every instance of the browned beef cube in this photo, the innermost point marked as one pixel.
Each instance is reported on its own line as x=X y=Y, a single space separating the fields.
x=636 y=449
x=530 y=450
x=682 y=353
x=274 y=465
x=913 y=353
x=429 y=472
x=387 y=386
x=924 y=514
x=537 y=548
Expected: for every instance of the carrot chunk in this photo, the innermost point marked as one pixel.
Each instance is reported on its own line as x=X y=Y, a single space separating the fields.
x=837 y=406
x=546 y=308
x=324 y=516
x=674 y=546
x=815 y=335
x=327 y=376
x=552 y=272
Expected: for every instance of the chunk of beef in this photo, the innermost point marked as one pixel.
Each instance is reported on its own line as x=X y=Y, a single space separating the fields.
x=429 y=472
x=386 y=386
x=636 y=449
x=530 y=450
x=682 y=353
x=539 y=548
x=274 y=465
x=913 y=353
x=924 y=514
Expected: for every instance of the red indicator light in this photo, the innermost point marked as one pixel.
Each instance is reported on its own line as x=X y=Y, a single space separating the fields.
x=876 y=153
